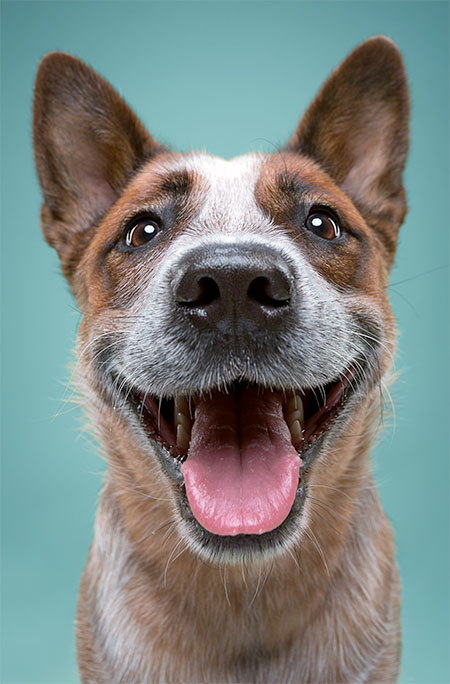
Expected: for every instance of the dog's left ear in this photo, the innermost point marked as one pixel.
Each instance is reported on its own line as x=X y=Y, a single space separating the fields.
x=357 y=129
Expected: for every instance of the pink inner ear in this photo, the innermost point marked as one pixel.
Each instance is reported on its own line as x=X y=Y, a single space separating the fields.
x=371 y=156
x=99 y=194
x=88 y=169
x=362 y=179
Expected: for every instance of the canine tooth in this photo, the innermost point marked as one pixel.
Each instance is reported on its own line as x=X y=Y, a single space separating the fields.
x=294 y=410
x=302 y=412
x=296 y=431
x=295 y=402
x=291 y=404
x=182 y=437
x=184 y=420
x=182 y=406
x=292 y=417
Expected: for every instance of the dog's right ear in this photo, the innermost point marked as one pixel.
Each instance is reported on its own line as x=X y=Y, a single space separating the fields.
x=87 y=144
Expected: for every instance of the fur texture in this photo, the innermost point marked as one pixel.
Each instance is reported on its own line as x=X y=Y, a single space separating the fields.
x=162 y=600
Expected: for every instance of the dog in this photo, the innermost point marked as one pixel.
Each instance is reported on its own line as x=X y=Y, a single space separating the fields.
x=236 y=334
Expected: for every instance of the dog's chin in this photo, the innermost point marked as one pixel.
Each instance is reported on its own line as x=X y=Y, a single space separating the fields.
x=310 y=417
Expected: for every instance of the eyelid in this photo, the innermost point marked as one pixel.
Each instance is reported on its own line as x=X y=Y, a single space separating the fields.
x=334 y=214
x=129 y=221
x=139 y=215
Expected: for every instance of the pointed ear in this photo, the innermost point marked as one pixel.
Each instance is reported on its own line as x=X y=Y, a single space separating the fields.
x=87 y=145
x=357 y=129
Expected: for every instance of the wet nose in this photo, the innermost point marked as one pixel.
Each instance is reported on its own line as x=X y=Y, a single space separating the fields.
x=234 y=287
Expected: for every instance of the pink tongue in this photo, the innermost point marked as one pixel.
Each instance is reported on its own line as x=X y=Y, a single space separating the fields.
x=241 y=474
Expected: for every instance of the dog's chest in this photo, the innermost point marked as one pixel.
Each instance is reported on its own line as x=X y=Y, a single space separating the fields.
x=199 y=627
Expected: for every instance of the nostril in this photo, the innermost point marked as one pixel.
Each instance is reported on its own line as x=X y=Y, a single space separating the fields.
x=198 y=291
x=273 y=292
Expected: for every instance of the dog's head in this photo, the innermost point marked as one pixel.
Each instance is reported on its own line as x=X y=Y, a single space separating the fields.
x=236 y=325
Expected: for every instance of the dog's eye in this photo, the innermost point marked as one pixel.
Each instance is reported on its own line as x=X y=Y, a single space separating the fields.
x=141 y=232
x=323 y=224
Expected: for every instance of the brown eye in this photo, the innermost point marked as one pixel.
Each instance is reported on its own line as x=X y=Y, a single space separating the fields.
x=323 y=225
x=141 y=232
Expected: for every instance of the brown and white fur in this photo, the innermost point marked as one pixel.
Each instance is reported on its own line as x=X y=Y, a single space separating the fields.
x=161 y=600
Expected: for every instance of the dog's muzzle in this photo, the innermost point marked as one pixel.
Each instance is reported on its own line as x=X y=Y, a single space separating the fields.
x=237 y=426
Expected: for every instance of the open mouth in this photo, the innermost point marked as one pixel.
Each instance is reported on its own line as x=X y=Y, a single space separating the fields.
x=240 y=451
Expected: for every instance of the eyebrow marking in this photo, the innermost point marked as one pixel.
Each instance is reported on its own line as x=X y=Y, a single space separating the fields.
x=177 y=183
x=288 y=182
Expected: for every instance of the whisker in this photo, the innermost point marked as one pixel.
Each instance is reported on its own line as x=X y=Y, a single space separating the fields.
x=172 y=558
x=313 y=539
x=224 y=582
x=334 y=489
x=257 y=589
x=289 y=551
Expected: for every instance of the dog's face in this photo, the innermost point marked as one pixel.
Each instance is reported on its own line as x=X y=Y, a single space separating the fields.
x=235 y=312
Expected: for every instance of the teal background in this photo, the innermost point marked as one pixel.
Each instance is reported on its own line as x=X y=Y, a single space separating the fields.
x=228 y=77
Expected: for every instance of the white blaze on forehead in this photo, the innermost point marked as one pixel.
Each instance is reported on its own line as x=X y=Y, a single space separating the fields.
x=228 y=198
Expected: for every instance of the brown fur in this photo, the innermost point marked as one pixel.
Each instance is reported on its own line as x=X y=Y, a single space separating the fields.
x=150 y=610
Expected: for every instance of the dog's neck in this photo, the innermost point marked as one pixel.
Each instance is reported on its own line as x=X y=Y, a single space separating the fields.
x=165 y=594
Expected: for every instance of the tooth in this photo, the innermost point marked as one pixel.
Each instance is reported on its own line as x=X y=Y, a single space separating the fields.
x=182 y=437
x=294 y=410
x=292 y=417
x=292 y=404
x=295 y=402
x=300 y=408
x=182 y=406
x=184 y=420
x=296 y=431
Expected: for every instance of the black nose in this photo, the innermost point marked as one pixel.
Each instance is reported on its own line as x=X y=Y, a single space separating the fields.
x=234 y=287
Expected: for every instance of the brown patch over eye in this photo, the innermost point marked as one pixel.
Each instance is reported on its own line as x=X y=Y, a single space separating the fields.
x=322 y=224
x=141 y=232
